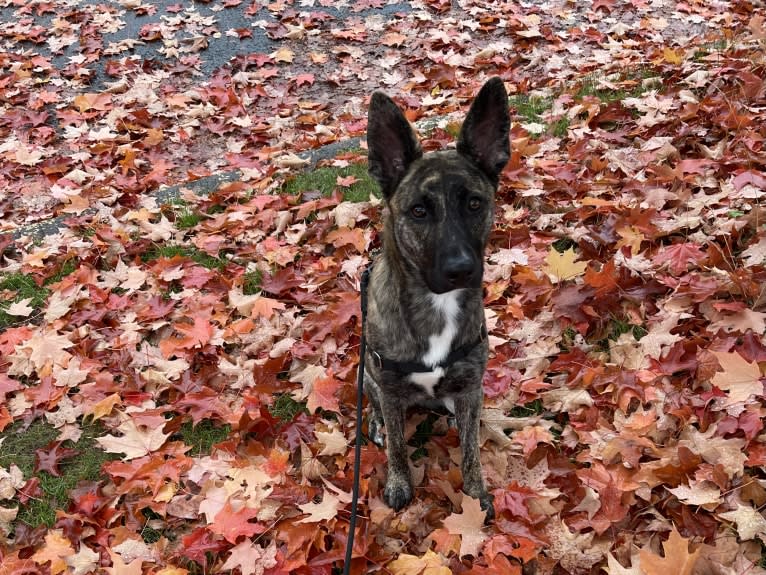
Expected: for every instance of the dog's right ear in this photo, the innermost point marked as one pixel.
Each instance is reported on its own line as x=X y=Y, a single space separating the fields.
x=391 y=143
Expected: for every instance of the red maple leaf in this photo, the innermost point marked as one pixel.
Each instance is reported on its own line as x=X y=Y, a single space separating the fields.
x=49 y=457
x=234 y=524
x=324 y=394
x=7 y=385
x=198 y=543
x=281 y=282
x=196 y=335
x=513 y=499
x=334 y=317
x=604 y=280
x=202 y=405
x=679 y=256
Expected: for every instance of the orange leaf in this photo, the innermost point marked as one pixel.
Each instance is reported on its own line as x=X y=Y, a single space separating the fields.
x=197 y=335
x=56 y=549
x=677 y=560
x=91 y=101
x=343 y=236
x=324 y=394
x=265 y=306
x=234 y=524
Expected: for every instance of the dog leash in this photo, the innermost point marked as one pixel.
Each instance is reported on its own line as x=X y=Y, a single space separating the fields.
x=364 y=282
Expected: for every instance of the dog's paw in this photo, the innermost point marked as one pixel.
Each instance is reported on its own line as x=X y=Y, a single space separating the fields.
x=398 y=493
x=375 y=432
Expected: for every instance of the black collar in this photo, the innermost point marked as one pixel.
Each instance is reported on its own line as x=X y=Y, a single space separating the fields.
x=455 y=355
x=387 y=364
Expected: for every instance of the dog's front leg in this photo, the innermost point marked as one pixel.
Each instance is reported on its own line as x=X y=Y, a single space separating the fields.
x=467 y=412
x=398 y=492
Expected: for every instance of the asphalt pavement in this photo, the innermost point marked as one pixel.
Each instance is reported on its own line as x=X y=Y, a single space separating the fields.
x=151 y=30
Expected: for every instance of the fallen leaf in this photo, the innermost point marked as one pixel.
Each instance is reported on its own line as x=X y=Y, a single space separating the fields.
x=469 y=525
x=135 y=440
x=677 y=559
x=563 y=266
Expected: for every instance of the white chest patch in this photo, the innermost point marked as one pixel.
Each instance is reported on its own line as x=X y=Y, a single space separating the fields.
x=439 y=345
x=427 y=380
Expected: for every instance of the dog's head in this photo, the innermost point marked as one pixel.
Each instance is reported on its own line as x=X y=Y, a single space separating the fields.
x=441 y=204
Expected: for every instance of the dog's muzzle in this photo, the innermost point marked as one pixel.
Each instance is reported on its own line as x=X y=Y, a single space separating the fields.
x=457 y=269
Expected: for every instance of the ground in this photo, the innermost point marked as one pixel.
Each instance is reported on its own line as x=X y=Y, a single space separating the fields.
x=186 y=212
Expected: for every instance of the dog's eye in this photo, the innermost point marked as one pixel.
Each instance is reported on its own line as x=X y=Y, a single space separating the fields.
x=418 y=211
x=474 y=204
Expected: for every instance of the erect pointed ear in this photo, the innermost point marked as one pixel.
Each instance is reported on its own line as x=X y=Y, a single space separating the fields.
x=484 y=135
x=391 y=143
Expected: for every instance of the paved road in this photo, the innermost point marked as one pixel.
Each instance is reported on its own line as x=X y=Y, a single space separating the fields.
x=154 y=29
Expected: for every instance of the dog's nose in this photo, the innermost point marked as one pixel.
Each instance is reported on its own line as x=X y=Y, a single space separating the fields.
x=458 y=269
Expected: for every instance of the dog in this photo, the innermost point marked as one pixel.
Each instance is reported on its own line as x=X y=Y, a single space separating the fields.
x=425 y=329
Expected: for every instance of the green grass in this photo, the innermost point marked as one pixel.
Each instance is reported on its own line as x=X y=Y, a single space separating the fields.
x=15 y=287
x=184 y=217
x=251 y=284
x=324 y=180
x=202 y=258
x=286 y=408
x=528 y=409
x=563 y=244
x=19 y=447
x=529 y=107
x=187 y=219
x=531 y=110
x=715 y=47
x=633 y=79
x=614 y=329
x=67 y=268
x=203 y=436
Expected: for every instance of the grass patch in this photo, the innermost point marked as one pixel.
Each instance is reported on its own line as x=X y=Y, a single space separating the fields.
x=251 y=284
x=559 y=127
x=67 y=268
x=325 y=181
x=187 y=219
x=531 y=110
x=528 y=409
x=203 y=436
x=286 y=408
x=19 y=447
x=181 y=214
x=615 y=329
x=563 y=245
x=631 y=82
x=202 y=258
x=715 y=47
x=14 y=288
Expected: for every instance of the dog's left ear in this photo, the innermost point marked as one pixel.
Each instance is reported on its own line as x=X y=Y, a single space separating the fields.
x=484 y=135
x=391 y=144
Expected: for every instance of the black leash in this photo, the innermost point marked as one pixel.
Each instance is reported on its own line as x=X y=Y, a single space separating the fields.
x=358 y=443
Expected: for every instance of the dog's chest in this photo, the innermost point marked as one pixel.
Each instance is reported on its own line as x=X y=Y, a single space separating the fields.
x=447 y=306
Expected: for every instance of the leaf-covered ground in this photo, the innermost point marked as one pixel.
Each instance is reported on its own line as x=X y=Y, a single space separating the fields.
x=192 y=364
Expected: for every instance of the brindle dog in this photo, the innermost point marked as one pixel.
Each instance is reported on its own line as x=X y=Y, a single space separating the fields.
x=425 y=329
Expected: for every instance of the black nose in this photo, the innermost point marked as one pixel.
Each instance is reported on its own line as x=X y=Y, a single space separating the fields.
x=458 y=269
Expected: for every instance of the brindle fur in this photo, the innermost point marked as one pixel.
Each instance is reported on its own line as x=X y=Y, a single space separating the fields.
x=419 y=260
